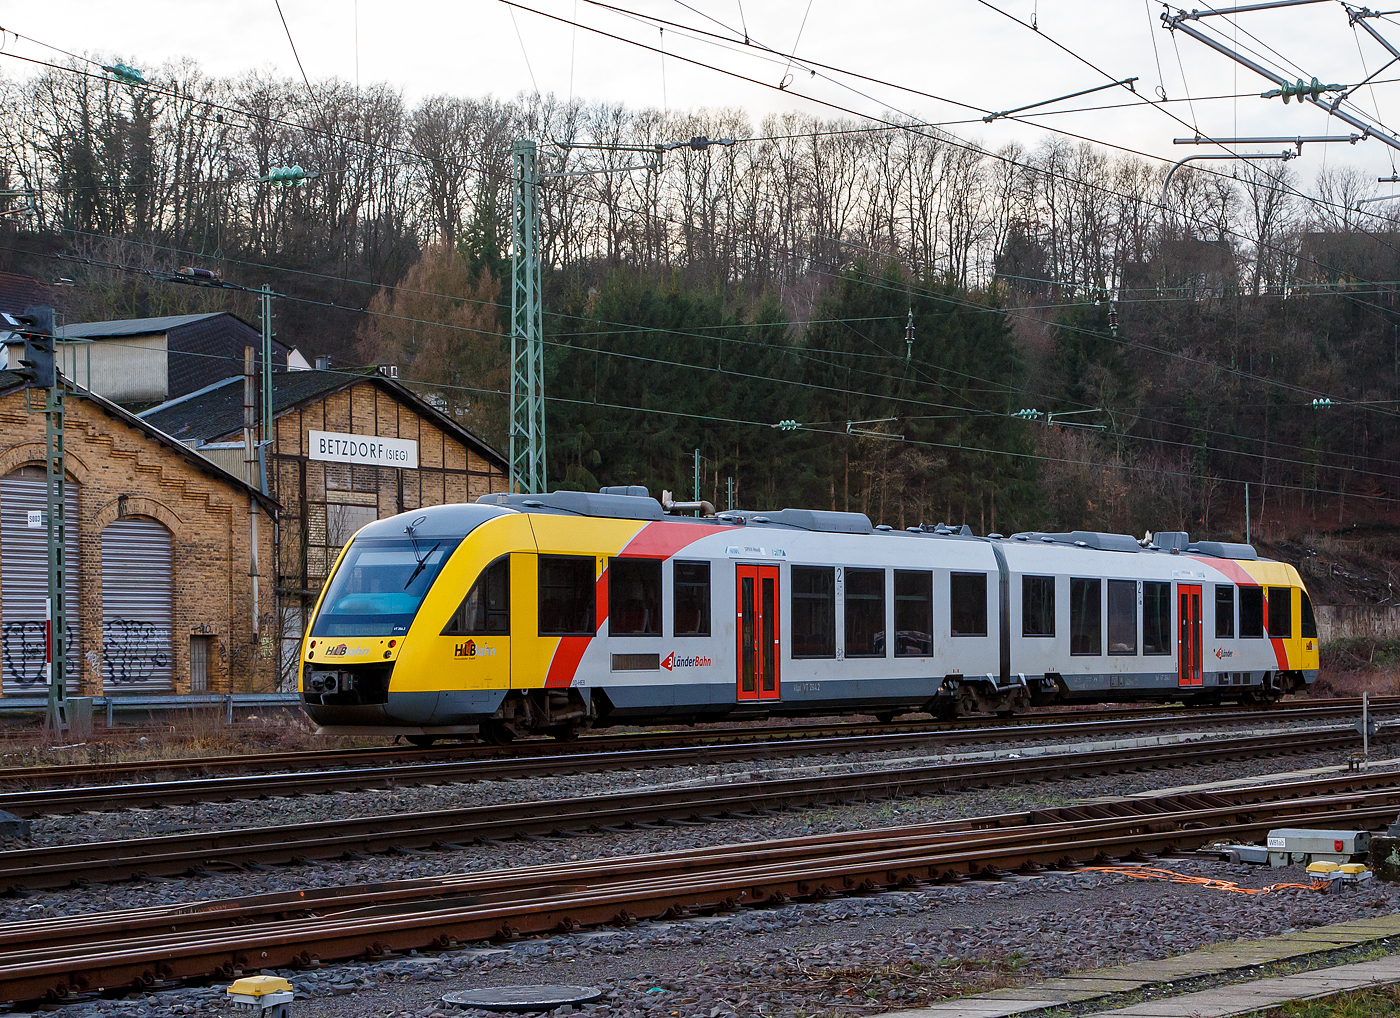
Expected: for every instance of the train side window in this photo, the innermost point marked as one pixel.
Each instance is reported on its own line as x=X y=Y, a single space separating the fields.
x=813 y=611
x=1309 y=627
x=1252 y=613
x=1086 y=617
x=1122 y=617
x=967 y=603
x=913 y=613
x=568 y=604
x=634 y=597
x=865 y=613
x=692 y=604
x=1281 y=612
x=485 y=611
x=1224 y=611
x=1156 y=618
x=1037 y=606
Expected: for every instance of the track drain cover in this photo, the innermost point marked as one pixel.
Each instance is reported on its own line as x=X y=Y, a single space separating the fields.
x=523 y=999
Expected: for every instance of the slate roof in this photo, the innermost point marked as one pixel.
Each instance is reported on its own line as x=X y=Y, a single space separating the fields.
x=216 y=411
x=18 y=292
x=134 y=326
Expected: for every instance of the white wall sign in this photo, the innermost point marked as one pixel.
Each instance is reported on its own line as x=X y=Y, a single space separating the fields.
x=35 y=518
x=338 y=447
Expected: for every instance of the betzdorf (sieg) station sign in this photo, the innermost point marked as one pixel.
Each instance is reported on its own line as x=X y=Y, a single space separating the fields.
x=365 y=450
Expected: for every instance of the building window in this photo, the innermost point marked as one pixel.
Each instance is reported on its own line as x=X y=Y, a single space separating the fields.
x=1086 y=617
x=1252 y=613
x=1224 y=611
x=813 y=611
x=1309 y=619
x=1037 y=606
x=1122 y=617
x=913 y=613
x=692 y=605
x=967 y=603
x=1281 y=612
x=344 y=521
x=485 y=611
x=567 y=600
x=1156 y=618
x=865 y=613
x=634 y=597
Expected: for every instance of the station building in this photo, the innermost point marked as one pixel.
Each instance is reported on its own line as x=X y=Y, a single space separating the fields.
x=349 y=447
x=159 y=551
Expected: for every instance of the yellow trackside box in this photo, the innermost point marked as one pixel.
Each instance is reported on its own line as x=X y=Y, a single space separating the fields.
x=265 y=996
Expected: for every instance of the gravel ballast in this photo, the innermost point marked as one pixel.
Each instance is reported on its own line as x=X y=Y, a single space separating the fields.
x=851 y=956
x=845 y=957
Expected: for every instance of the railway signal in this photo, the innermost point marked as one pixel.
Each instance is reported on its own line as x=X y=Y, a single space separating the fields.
x=37 y=327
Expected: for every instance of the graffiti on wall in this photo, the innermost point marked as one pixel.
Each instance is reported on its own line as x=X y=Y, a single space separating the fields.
x=134 y=651
x=22 y=650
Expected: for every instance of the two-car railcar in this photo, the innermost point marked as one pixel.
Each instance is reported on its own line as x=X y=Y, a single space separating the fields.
x=520 y=614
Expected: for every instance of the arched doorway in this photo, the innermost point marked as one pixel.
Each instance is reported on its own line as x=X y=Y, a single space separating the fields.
x=24 y=581
x=137 y=652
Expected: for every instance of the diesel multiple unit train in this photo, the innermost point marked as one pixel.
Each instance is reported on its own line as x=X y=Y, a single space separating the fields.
x=547 y=614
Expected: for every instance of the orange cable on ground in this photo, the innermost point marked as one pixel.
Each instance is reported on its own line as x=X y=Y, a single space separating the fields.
x=1150 y=873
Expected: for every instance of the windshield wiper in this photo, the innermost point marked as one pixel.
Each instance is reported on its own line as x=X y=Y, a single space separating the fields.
x=422 y=564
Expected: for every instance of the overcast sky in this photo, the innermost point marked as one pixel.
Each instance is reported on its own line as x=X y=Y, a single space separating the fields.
x=955 y=49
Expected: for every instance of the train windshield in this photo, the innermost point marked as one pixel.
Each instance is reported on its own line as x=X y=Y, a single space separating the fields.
x=380 y=584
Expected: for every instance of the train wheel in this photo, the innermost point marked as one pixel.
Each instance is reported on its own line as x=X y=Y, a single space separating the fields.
x=563 y=733
x=885 y=717
x=422 y=741
x=1007 y=713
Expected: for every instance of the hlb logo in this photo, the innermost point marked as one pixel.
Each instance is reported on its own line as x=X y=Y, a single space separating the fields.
x=467 y=649
x=339 y=651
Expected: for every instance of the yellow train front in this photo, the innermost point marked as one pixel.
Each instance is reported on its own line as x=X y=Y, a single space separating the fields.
x=546 y=614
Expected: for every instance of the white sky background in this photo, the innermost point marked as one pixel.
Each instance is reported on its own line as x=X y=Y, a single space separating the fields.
x=957 y=49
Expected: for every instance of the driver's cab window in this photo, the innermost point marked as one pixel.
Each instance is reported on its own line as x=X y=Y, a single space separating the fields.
x=485 y=611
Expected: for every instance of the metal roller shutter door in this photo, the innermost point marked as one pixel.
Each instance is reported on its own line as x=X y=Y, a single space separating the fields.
x=24 y=582
x=136 y=639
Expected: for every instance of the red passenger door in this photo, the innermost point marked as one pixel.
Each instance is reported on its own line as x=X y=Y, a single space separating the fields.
x=1188 y=662
x=757 y=607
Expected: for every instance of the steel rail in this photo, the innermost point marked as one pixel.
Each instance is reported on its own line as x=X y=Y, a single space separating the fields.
x=964 y=729
x=222 y=911
x=33 y=802
x=60 y=865
x=58 y=958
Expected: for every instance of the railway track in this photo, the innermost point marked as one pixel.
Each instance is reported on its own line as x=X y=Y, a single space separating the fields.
x=95 y=786
x=168 y=855
x=59 y=959
x=36 y=802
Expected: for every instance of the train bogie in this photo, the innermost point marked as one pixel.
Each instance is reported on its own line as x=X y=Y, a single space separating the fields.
x=549 y=614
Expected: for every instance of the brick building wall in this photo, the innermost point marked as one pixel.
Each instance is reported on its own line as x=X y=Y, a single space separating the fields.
x=123 y=471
